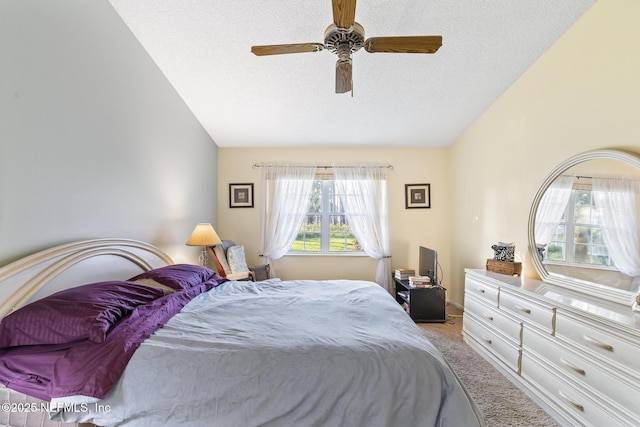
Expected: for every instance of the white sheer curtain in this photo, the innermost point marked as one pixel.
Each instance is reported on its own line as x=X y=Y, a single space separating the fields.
x=285 y=193
x=551 y=207
x=363 y=191
x=618 y=201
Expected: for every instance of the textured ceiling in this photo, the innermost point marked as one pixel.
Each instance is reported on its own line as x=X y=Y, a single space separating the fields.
x=242 y=100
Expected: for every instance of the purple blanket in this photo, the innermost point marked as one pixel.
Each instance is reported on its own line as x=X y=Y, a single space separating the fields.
x=85 y=367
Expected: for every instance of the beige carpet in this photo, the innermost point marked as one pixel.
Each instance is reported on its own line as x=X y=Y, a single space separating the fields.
x=501 y=402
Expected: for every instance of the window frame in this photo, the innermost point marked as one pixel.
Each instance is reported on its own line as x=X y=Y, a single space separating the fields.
x=327 y=181
x=569 y=224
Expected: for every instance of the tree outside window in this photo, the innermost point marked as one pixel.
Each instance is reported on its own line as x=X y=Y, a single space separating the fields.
x=325 y=228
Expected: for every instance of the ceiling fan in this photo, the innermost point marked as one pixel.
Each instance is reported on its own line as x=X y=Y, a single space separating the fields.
x=345 y=36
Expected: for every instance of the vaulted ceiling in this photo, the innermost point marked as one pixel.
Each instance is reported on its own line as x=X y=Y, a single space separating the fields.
x=421 y=100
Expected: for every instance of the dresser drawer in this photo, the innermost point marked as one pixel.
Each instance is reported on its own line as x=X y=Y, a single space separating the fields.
x=615 y=347
x=529 y=311
x=509 y=326
x=570 y=397
x=482 y=290
x=621 y=389
x=508 y=353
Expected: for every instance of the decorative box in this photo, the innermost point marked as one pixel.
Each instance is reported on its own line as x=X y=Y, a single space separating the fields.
x=504 y=267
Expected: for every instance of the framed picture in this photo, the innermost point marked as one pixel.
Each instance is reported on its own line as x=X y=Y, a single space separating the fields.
x=241 y=195
x=417 y=196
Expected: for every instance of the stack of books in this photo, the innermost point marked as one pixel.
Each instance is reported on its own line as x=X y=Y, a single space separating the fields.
x=420 y=282
x=404 y=273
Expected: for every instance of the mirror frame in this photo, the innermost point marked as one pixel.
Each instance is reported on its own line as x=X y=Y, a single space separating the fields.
x=589 y=288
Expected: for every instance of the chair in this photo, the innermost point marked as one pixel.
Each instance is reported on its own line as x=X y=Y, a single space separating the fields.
x=231 y=263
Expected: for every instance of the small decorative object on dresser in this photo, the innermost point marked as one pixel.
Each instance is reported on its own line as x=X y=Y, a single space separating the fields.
x=504 y=251
x=504 y=267
x=503 y=260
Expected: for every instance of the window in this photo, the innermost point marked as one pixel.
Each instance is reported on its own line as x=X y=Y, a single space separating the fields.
x=578 y=238
x=325 y=229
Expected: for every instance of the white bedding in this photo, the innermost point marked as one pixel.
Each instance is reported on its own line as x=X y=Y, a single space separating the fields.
x=291 y=353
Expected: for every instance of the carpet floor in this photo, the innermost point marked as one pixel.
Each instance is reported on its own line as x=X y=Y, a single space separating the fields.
x=501 y=402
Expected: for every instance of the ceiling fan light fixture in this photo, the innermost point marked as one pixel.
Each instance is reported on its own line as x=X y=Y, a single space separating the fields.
x=345 y=37
x=334 y=37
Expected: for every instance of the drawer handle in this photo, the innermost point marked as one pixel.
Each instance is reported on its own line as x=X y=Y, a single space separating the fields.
x=487 y=340
x=523 y=309
x=480 y=290
x=488 y=317
x=575 y=368
x=598 y=343
x=575 y=404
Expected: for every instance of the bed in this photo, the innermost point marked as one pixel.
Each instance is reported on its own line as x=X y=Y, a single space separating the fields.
x=187 y=347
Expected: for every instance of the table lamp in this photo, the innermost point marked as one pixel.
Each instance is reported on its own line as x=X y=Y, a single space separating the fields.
x=203 y=235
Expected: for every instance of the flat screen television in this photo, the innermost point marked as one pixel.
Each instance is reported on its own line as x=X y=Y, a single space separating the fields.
x=428 y=264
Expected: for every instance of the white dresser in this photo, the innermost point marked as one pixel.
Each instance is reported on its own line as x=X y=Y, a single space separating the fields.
x=577 y=356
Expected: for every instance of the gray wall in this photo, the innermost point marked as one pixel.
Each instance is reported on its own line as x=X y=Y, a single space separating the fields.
x=94 y=141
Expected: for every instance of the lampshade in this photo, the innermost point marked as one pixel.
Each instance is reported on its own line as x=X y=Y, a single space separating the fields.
x=203 y=235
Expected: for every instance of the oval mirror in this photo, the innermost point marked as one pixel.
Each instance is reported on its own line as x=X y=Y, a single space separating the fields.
x=584 y=225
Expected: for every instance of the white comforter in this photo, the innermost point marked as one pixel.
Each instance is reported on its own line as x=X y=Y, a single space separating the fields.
x=291 y=353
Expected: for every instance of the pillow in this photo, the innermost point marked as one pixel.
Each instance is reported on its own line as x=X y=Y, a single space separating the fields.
x=83 y=313
x=178 y=276
x=236 y=259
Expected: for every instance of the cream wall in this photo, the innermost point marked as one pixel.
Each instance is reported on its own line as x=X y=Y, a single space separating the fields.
x=409 y=228
x=583 y=94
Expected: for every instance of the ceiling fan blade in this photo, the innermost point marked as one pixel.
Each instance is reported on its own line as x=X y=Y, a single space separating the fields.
x=403 y=44
x=344 y=82
x=344 y=13
x=279 y=49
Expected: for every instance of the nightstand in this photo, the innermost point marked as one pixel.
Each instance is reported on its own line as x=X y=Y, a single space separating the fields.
x=424 y=304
